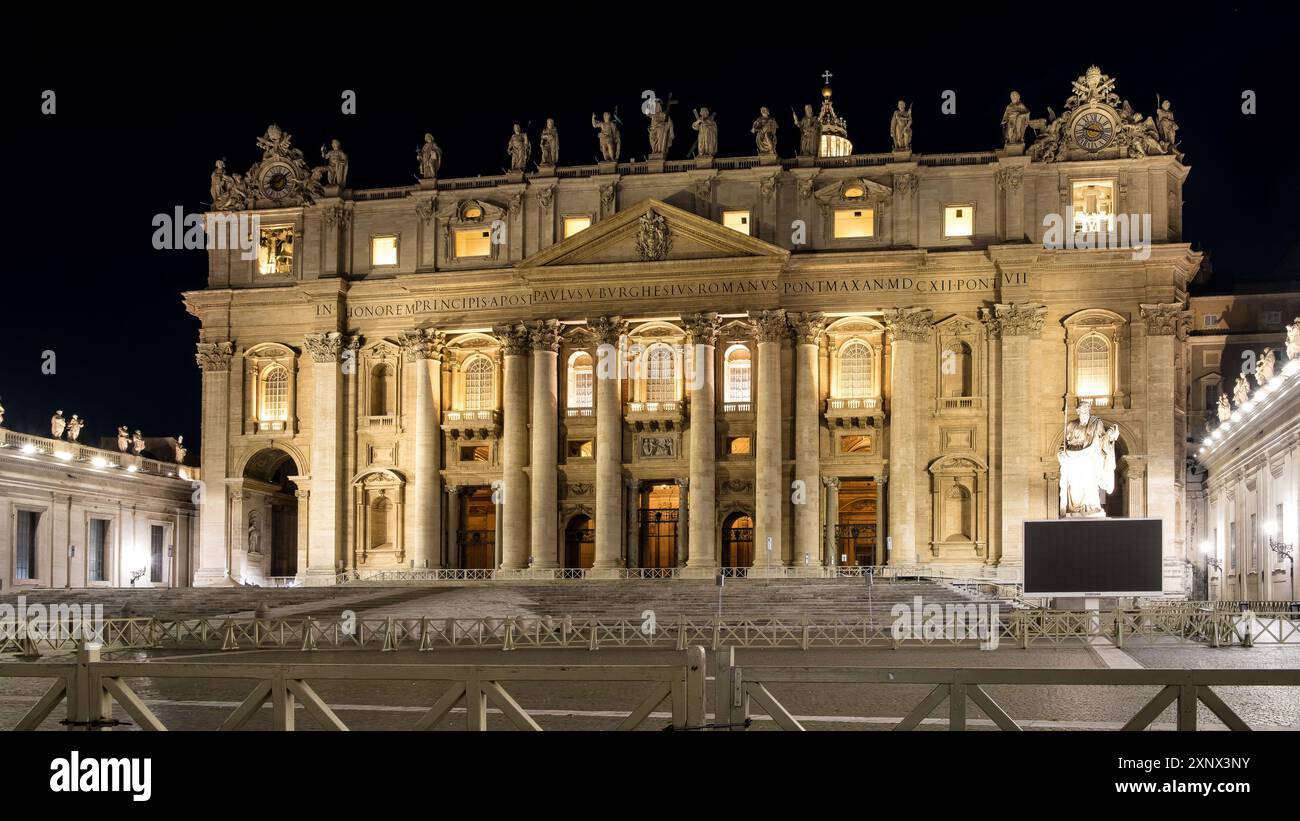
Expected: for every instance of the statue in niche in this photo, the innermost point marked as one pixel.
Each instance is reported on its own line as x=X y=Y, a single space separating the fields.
x=336 y=164
x=1224 y=408
x=1293 y=340
x=1015 y=119
x=519 y=149
x=706 y=144
x=549 y=143
x=254 y=534
x=661 y=128
x=179 y=450
x=1267 y=367
x=57 y=424
x=611 y=142
x=1087 y=459
x=137 y=442
x=1241 y=390
x=810 y=132
x=430 y=157
x=123 y=438
x=74 y=427
x=900 y=127
x=764 y=131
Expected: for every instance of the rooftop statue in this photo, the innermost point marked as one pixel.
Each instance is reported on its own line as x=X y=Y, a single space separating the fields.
x=611 y=142
x=1015 y=118
x=706 y=144
x=137 y=442
x=519 y=149
x=810 y=132
x=1049 y=145
x=661 y=128
x=1293 y=340
x=900 y=127
x=336 y=164
x=1224 y=408
x=123 y=438
x=57 y=424
x=430 y=157
x=1241 y=390
x=1266 y=368
x=549 y=143
x=74 y=427
x=764 y=131
x=179 y=450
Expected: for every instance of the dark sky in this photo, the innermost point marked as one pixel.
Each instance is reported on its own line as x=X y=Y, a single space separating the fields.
x=139 y=123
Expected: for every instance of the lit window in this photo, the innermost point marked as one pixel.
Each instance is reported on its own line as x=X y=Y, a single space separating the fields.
x=1094 y=205
x=857 y=371
x=853 y=192
x=580 y=374
x=383 y=251
x=471 y=212
x=480 y=392
x=475 y=453
x=959 y=220
x=573 y=225
x=275 y=395
x=738 y=445
x=581 y=449
x=736 y=221
x=1209 y=320
x=473 y=242
x=854 y=222
x=738 y=374
x=275 y=251
x=1092 y=359
x=661 y=374
x=835 y=146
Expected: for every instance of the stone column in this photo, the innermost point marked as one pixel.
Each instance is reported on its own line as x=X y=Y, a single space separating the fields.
x=512 y=495
x=454 y=559
x=1166 y=332
x=1017 y=325
x=609 y=331
x=909 y=331
x=770 y=327
x=807 y=429
x=545 y=337
x=633 y=499
x=703 y=561
x=683 y=521
x=327 y=524
x=214 y=548
x=832 y=484
x=424 y=348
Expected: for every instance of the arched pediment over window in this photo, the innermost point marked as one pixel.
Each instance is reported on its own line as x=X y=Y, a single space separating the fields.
x=1093 y=341
x=270 y=389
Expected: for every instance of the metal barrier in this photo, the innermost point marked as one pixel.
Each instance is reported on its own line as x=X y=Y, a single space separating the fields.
x=90 y=687
x=1019 y=628
x=738 y=689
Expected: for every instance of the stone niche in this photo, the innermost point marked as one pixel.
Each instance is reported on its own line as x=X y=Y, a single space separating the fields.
x=959 y=508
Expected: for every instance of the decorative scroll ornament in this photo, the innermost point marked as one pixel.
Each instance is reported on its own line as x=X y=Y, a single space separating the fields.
x=515 y=339
x=1015 y=319
x=771 y=326
x=702 y=328
x=214 y=356
x=653 y=239
x=1166 y=319
x=326 y=347
x=909 y=324
x=608 y=329
x=808 y=328
x=423 y=343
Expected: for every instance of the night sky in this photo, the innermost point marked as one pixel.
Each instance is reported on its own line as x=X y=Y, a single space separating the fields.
x=139 y=124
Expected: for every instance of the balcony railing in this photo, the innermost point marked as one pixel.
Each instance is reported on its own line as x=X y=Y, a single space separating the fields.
x=75 y=452
x=655 y=415
x=854 y=413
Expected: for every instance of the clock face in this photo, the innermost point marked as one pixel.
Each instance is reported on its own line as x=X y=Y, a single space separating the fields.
x=1093 y=130
x=277 y=180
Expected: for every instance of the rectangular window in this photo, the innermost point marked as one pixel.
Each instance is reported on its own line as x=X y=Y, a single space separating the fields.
x=156 y=535
x=581 y=449
x=473 y=242
x=573 y=225
x=581 y=388
x=97 y=552
x=1211 y=396
x=1271 y=320
x=275 y=251
x=1093 y=203
x=853 y=223
x=383 y=251
x=738 y=445
x=474 y=453
x=736 y=221
x=25 y=544
x=1209 y=320
x=959 y=220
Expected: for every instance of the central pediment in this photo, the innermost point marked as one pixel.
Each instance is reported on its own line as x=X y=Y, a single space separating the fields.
x=652 y=231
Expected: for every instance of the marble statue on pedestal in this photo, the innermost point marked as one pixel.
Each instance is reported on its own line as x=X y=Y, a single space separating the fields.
x=661 y=129
x=611 y=143
x=337 y=164
x=1240 y=391
x=74 y=427
x=519 y=149
x=123 y=438
x=706 y=145
x=900 y=127
x=137 y=442
x=57 y=424
x=1015 y=119
x=1225 y=408
x=549 y=143
x=1087 y=458
x=764 y=131
x=1266 y=368
x=1293 y=340
x=430 y=157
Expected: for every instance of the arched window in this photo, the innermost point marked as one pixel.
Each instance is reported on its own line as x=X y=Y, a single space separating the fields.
x=480 y=392
x=1092 y=367
x=661 y=374
x=857 y=371
x=580 y=384
x=380 y=383
x=274 y=395
x=955 y=370
x=738 y=362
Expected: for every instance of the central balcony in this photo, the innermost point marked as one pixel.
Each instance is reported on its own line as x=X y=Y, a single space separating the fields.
x=475 y=424
x=867 y=412
x=655 y=415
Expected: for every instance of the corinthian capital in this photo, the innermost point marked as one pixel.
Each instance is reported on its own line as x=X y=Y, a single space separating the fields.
x=545 y=334
x=1014 y=319
x=808 y=328
x=909 y=324
x=515 y=339
x=214 y=356
x=608 y=329
x=1166 y=319
x=325 y=348
x=703 y=328
x=423 y=343
x=770 y=326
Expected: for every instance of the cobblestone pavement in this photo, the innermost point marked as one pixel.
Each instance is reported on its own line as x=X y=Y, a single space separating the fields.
x=199 y=704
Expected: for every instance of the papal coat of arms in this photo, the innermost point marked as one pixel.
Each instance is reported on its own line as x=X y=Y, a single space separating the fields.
x=652 y=238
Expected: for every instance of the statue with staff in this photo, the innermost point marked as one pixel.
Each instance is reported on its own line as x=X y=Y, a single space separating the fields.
x=1087 y=459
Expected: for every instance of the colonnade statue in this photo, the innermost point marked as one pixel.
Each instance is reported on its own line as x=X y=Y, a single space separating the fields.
x=1087 y=458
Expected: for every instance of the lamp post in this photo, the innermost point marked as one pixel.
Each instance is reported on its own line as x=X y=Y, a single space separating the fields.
x=1283 y=551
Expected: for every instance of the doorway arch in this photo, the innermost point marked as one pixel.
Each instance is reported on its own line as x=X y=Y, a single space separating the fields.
x=271 y=512
x=580 y=542
x=738 y=540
